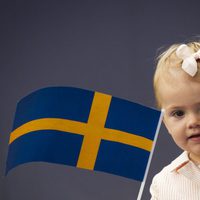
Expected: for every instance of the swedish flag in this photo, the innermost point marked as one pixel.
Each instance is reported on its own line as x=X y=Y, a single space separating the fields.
x=82 y=128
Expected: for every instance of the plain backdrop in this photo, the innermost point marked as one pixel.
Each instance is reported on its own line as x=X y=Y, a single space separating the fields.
x=107 y=46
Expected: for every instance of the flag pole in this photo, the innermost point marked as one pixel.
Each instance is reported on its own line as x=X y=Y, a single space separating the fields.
x=150 y=157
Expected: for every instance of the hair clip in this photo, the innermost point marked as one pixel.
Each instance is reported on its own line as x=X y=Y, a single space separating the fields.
x=189 y=58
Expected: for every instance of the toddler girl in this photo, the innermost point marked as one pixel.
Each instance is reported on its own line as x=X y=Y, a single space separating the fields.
x=177 y=91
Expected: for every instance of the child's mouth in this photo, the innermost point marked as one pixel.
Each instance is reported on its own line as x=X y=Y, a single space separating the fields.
x=195 y=137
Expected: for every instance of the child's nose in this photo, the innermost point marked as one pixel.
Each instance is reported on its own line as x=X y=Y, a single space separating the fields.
x=194 y=120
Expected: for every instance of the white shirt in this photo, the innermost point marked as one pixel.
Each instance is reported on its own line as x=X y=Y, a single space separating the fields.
x=180 y=180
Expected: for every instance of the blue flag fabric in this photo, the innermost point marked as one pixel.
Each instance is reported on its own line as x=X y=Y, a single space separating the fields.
x=85 y=129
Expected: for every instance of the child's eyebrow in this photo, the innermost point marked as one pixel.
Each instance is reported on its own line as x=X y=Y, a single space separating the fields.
x=174 y=107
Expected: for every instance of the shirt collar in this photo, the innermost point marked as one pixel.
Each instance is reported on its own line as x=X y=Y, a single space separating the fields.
x=184 y=166
x=179 y=162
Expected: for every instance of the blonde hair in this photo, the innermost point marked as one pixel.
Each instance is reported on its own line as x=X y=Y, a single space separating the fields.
x=168 y=61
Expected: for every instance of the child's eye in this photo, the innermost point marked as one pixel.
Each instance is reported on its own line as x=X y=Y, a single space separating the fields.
x=178 y=113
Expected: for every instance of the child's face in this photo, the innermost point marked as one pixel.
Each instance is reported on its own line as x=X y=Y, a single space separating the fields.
x=181 y=101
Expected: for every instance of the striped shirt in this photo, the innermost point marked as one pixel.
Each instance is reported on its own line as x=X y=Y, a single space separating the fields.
x=180 y=180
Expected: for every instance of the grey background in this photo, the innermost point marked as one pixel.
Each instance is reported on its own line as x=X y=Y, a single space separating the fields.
x=107 y=46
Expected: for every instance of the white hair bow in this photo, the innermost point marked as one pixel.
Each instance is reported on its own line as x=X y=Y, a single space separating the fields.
x=189 y=58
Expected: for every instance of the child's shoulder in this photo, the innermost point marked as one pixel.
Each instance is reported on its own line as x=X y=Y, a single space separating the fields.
x=175 y=164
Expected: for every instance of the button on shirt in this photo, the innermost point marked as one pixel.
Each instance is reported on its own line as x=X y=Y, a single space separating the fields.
x=180 y=180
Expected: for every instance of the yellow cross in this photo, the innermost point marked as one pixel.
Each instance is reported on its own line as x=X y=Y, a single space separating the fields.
x=93 y=131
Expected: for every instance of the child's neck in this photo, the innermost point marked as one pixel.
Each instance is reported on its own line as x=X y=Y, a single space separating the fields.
x=194 y=158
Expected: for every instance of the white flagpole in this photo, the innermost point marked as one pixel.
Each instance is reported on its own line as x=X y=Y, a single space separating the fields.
x=150 y=157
